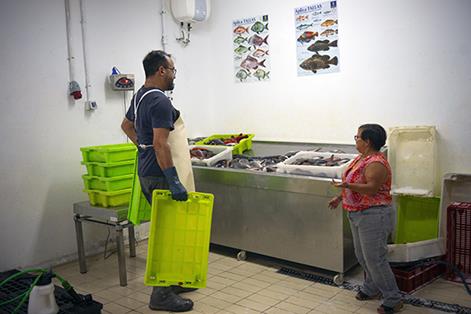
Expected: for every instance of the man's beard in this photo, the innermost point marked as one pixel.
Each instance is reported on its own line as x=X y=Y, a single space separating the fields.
x=171 y=86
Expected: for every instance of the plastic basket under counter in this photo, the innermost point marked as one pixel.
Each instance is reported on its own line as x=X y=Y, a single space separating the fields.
x=417 y=218
x=458 y=243
x=238 y=149
x=109 y=153
x=179 y=235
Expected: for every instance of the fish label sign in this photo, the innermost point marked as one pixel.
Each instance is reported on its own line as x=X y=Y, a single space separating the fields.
x=316 y=28
x=251 y=49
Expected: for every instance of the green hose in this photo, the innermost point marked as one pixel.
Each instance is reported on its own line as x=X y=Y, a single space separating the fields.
x=24 y=295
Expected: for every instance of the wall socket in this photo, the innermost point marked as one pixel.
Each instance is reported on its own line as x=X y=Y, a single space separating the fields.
x=90 y=105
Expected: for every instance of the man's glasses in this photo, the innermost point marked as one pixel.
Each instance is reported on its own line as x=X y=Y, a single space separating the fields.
x=172 y=69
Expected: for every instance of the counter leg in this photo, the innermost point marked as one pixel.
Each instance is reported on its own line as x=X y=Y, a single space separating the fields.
x=132 y=241
x=80 y=246
x=123 y=281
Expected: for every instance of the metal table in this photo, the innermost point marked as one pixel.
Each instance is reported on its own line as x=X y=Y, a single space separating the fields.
x=115 y=217
x=279 y=215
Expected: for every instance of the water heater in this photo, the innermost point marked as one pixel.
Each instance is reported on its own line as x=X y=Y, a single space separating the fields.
x=189 y=11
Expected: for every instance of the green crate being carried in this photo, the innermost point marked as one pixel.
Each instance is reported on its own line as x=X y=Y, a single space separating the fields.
x=179 y=234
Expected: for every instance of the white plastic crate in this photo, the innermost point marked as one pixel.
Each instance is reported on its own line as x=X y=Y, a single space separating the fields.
x=221 y=153
x=412 y=154
x=315 y=171
x=415 y=251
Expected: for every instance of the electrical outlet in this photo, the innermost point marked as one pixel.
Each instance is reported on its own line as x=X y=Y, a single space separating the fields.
x=91 y=105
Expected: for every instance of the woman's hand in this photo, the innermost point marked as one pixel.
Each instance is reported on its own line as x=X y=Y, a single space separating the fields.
x=334 y=203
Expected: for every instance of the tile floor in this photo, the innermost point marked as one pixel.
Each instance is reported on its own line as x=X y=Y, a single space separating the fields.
x=236 y=287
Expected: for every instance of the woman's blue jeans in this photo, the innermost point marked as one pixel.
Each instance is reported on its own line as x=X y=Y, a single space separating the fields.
x=370 y=230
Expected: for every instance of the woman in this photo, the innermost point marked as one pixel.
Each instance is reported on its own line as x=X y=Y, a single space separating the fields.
x=366 y=187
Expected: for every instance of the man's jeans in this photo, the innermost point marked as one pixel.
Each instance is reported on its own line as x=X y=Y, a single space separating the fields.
x=149 y=184
x=370 y=230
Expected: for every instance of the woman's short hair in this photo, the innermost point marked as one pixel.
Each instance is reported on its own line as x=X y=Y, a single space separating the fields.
x=374 y=133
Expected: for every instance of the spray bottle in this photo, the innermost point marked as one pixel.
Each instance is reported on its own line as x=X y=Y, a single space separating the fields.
x=41 y=298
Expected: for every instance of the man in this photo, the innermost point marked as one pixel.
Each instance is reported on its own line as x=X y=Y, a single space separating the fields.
x=156 y=127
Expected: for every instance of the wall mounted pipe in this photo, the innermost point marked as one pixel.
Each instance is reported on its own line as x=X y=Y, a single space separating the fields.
x=90 y=104
x=163 y=14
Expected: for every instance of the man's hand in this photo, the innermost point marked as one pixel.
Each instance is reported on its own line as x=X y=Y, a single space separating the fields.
x=176 y=187
x=335 y=202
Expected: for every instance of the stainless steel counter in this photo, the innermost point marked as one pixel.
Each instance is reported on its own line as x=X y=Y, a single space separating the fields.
x=278 y=215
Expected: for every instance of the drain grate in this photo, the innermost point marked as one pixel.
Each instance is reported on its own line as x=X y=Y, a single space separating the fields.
x=408 y=299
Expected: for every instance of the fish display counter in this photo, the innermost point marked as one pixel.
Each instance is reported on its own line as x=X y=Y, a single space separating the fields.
x=279 y=215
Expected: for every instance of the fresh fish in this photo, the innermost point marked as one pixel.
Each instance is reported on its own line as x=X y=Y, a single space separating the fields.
x=329 y=32
x=328 y=23
x=331 y=161
x=322 y=45
x=258 y=27
x=318 y=62
x=239 y=40
x=257 y=40
x=259 y=53
x=307 y=36
x=241 y=50
x=302 y=18
x=261 y=74
x=250 y=63
x=201 y=153
x=240 y=29
x=242 y=76
x=303 y=26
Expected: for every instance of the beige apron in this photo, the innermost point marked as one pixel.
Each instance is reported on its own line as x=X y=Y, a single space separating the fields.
x=181 y=154
x=179 y=149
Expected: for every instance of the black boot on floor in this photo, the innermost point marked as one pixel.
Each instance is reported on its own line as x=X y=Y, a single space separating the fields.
x=164 y=299
x=178 y=289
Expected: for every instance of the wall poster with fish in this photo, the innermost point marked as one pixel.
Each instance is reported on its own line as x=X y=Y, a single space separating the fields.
x=251 y=49
x=316 y=38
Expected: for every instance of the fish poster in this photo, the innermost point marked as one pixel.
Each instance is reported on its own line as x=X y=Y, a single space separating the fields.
x=317 y=35
x=251 y=49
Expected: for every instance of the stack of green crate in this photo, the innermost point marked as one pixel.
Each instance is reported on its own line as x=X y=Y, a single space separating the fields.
x=110 y=172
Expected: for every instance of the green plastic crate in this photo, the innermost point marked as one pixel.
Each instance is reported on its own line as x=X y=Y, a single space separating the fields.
x=109 y=199
x=107 y=184
x=109 y=153
x=179 y=240
x=417 y=218
x=139 y=207
x=245 y=144
x=108 y=170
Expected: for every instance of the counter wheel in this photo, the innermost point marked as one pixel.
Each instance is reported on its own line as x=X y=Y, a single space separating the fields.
x=338 y=279
x=241 y=256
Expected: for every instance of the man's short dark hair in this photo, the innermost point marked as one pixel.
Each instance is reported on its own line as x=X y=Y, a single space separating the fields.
x=154 y=60
x=374 y=133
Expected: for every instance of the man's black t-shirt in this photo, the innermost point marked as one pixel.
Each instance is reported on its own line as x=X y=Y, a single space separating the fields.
x=154 y=111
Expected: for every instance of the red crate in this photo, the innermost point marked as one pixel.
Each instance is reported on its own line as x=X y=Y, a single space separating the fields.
x=413 y=278
x=458 y=244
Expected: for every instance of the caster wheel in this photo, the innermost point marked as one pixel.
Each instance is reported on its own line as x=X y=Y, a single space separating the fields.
x=242 y=256
x=338 y=279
